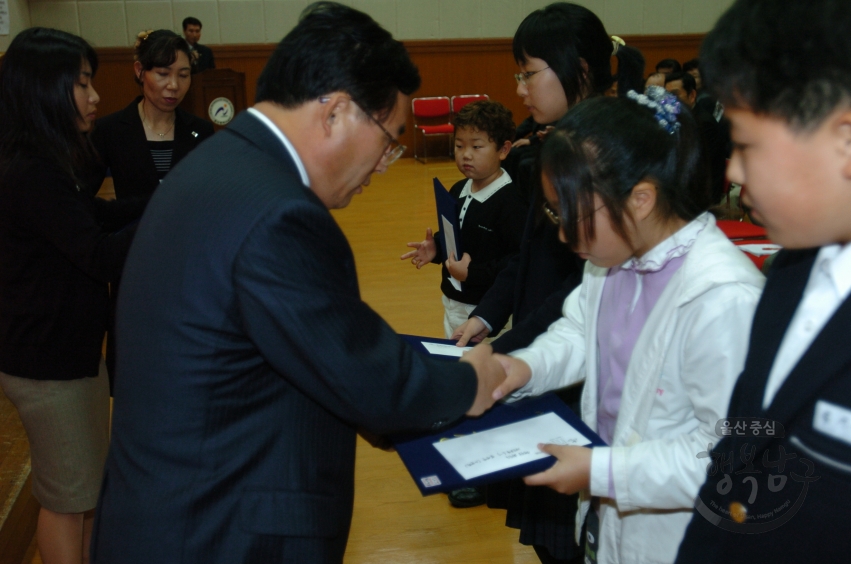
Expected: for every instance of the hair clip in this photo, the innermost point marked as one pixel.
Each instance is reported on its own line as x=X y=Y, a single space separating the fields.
x=616 y=44
x=665 y=105
x=194 y=134
x=142 y=36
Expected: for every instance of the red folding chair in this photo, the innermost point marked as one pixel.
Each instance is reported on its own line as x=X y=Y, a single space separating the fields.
x=738 y=230
x=459 y=102
x=431 y=118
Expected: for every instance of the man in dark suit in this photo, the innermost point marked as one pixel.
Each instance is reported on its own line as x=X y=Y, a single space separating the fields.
x=779 y=481
x=201 y=55
x=248 y=360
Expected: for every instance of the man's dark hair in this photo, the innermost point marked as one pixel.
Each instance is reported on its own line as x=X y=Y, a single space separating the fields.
x=191 y=21
x=785 y=58
x=489 y=117
x=672 y=64
x=335 y=48
x=38 y=112
x=691 y=65
x=159 y=49
x=689 y=84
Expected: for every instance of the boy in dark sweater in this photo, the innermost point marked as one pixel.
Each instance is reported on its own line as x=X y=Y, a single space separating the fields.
x=491 y=212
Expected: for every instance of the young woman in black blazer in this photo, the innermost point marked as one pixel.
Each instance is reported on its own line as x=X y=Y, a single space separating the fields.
x=59 y=250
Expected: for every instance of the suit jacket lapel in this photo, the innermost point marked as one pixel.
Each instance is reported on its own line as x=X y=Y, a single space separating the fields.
x=780 y=298
x=184 y=141
x=783 y=291
x=138 y=143
x=823 y=360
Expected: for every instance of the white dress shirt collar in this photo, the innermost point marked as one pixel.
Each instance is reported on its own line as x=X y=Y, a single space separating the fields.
x=289 y=146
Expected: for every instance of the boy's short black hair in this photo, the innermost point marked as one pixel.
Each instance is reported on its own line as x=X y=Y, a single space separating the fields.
x=490 y=117
x=335 y=48
x=786 y=58
x=191 y=21
x=669 y=64
x=689 y=84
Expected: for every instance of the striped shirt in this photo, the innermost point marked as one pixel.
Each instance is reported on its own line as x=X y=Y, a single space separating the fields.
x=161 y=151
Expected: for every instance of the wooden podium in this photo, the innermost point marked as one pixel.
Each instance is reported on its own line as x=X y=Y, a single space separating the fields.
x=216 y=85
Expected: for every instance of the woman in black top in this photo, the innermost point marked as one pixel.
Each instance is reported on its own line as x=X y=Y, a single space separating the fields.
x=140 y=144
x=145 y=140
x=564 y=56
x=59 y=249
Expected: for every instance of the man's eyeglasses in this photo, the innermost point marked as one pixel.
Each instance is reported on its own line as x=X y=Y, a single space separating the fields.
x=522 y=78
x=394 y=149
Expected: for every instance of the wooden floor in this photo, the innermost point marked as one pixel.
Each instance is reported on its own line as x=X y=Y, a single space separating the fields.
x=393 y=523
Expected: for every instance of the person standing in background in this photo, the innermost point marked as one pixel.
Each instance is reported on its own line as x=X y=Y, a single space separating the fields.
x=200 y=55
x=141 y=143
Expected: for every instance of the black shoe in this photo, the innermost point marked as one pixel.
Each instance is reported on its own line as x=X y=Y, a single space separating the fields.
x=467 y=497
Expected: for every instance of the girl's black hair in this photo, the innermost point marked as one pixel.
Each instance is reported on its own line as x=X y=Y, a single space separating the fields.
x=607 y=146
x=159 y=49
x=38 y=111
x=630 y=75
x=564 y=35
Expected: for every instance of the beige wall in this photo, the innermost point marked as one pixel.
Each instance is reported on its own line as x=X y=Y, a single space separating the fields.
x=19 y=19
x=110 y=23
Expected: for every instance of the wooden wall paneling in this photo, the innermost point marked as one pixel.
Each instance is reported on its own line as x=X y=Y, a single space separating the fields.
x=464 y=66
x=657 y=47
x=447 y=67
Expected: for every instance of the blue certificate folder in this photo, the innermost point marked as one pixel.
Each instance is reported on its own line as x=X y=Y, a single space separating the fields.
x=433 y=474
x=447 y=207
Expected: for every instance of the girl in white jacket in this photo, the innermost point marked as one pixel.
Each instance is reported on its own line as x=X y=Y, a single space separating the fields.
x=658 y=329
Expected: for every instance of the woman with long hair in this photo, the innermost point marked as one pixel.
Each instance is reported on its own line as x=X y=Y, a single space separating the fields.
x=59 y=250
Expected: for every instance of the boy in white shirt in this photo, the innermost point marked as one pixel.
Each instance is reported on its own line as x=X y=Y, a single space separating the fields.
x=779 y=484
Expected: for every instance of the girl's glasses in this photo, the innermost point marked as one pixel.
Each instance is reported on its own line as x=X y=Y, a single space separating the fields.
x=522 y=78
x=555 y=219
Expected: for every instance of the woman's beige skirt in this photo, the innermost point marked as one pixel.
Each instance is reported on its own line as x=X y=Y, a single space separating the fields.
x=67 y=424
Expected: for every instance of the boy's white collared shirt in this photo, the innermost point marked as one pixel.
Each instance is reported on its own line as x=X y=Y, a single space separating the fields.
x=482 y=195
x=828 y=286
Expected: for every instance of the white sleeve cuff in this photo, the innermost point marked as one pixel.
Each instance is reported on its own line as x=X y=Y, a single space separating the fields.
x=488 y=325
x=601 y=462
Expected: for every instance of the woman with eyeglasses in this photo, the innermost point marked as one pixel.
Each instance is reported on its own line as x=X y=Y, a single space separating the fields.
x=564 y=56
x=59 y=250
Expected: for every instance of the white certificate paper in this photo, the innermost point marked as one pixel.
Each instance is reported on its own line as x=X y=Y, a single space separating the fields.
x=449 y=236
x=507 y=446
x=445 y=350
